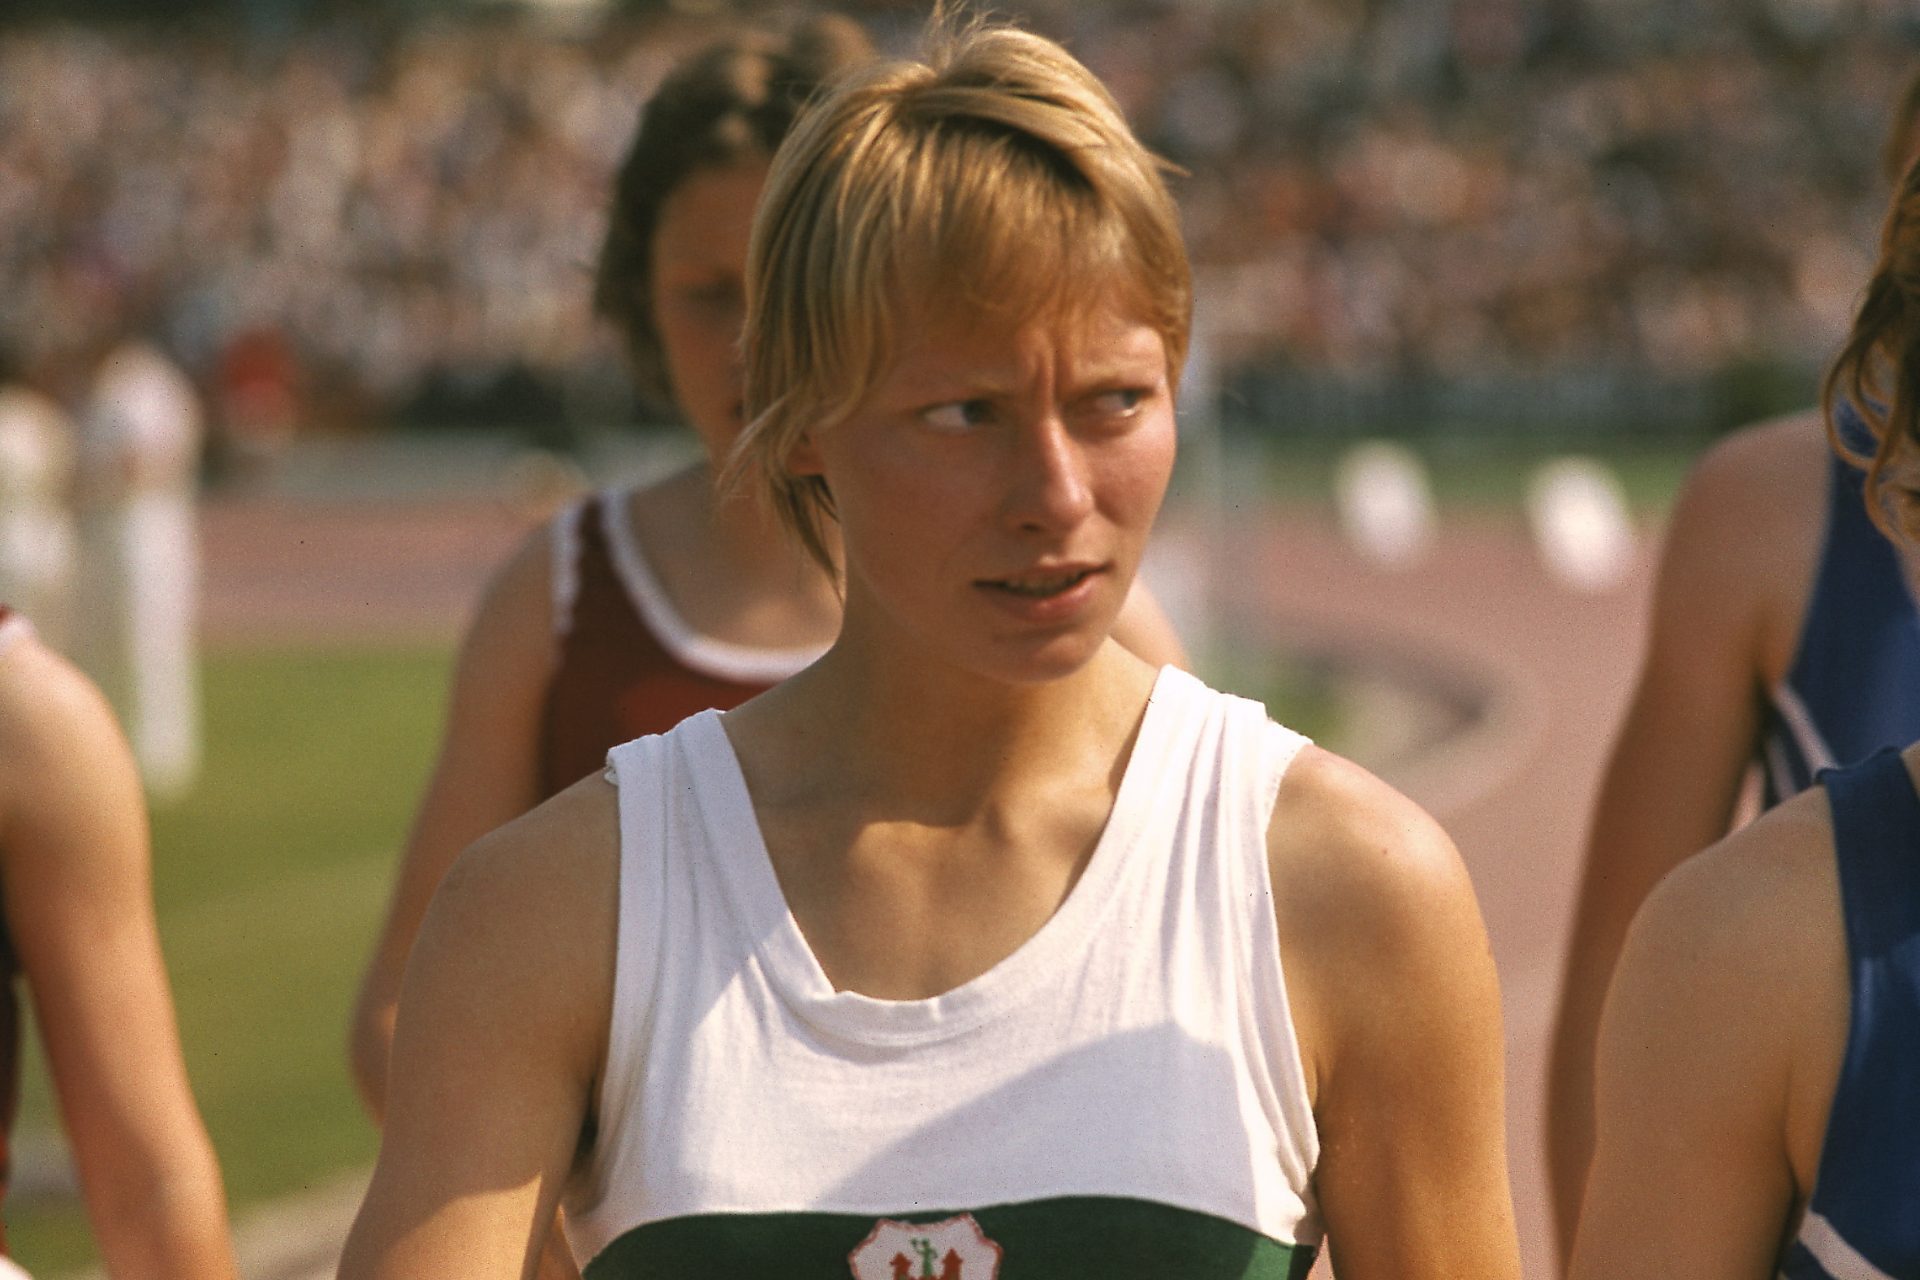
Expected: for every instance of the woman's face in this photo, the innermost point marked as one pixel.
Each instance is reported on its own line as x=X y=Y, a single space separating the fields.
x=699 y=295
x=996 y=488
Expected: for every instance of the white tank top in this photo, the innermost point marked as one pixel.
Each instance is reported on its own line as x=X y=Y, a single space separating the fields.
x=1122 y=1096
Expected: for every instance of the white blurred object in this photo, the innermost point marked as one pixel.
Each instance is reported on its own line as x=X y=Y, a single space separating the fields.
x=137 y=597
x=1385 y=503
x=36 y=533
x=1580 y=523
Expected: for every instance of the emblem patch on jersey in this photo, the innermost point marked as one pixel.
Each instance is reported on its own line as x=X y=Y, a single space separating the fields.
x=955 y=1249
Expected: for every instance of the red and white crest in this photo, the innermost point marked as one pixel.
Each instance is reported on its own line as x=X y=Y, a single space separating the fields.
x=955 y=1249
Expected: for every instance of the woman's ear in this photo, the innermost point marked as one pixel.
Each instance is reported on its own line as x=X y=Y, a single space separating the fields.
x=803 y=459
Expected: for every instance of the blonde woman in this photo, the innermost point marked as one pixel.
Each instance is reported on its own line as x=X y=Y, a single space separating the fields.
x=638 y=607
x=979 y=948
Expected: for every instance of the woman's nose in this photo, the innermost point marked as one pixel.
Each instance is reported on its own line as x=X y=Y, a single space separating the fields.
x=1050 y=489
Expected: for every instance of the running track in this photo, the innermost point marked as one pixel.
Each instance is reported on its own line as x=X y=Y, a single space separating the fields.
x=1545 y=668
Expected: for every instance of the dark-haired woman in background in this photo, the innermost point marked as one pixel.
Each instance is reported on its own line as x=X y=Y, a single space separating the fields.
x=1784 y=634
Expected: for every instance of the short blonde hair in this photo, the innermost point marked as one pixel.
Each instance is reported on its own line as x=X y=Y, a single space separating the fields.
x=994 y=176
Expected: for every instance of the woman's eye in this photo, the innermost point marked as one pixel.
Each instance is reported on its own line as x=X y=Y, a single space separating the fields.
x=1119 y=403
x=956 y=415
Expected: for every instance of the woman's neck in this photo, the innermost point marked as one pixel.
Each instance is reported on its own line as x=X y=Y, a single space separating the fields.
x=736 y=538
x=946 y=743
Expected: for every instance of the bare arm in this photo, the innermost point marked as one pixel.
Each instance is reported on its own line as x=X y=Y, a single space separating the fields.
x=1729 y=1005
x=501 y=1034
x=1144 y=629
x=1732 y=584
x=76 y=865
x=1398 y=1012
x=485 y=777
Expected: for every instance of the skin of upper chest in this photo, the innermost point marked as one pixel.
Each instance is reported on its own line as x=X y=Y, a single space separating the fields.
x=901 y=908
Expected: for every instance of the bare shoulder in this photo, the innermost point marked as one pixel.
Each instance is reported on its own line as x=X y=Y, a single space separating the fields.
x=1396 y=1014
x=556 y=866
x=1728 y=1012
x=1757 y=486
x=1742 y=542
x=38 y=686
x=519 y=597
x=1752 y=920
x=525 y=921
x=1377 y=920
x=51 y=718
x=1781 y=458
x=1718 y=1048
x=509 y=648
x=1348 y=847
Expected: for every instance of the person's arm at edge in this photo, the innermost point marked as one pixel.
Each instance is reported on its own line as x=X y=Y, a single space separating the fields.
x=1691 y=1173
x=1397 y=1007
x=485 y=777
x=1146 y=632
x=79 y=907
x=502 y=1033
x=1674 y=775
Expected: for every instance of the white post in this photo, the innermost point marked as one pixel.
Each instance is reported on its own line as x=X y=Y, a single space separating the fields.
x=1581 y=525
x=1385 y=503
x=137 y=600
x=36 y=533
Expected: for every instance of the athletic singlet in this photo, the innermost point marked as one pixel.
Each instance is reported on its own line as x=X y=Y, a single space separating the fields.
x=13 y=628
x=627 y=664
x=1863 y=1222
x=1122 y=1097
x=1854 y=685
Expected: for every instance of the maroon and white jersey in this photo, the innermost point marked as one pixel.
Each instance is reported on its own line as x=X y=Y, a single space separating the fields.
x=628 y=664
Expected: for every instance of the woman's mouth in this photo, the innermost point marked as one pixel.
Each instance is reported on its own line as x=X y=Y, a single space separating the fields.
x=1041 y=586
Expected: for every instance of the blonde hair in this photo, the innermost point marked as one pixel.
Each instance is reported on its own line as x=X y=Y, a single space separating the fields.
x=994 y=177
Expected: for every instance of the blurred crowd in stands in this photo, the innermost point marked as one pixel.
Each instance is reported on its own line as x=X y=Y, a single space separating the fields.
x=375 y=221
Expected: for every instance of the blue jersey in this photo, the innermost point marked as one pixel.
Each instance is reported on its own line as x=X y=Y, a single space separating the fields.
x=1854 y=686
x=1863 y=1222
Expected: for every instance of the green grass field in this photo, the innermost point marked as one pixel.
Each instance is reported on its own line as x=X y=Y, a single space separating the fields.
x=270 y=881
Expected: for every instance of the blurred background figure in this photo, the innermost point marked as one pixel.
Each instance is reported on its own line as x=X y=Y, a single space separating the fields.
x=257 y=393
x=1757 y=1110
x=79 y=933
x=36 y=526
x=1785 y=639
x=137 y=598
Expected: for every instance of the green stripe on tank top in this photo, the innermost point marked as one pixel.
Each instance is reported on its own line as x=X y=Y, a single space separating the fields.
x=1070 y=1238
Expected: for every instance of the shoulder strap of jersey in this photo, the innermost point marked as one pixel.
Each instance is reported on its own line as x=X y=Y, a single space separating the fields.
x=641 y=769
x=564 y=545
x=1876 y=839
